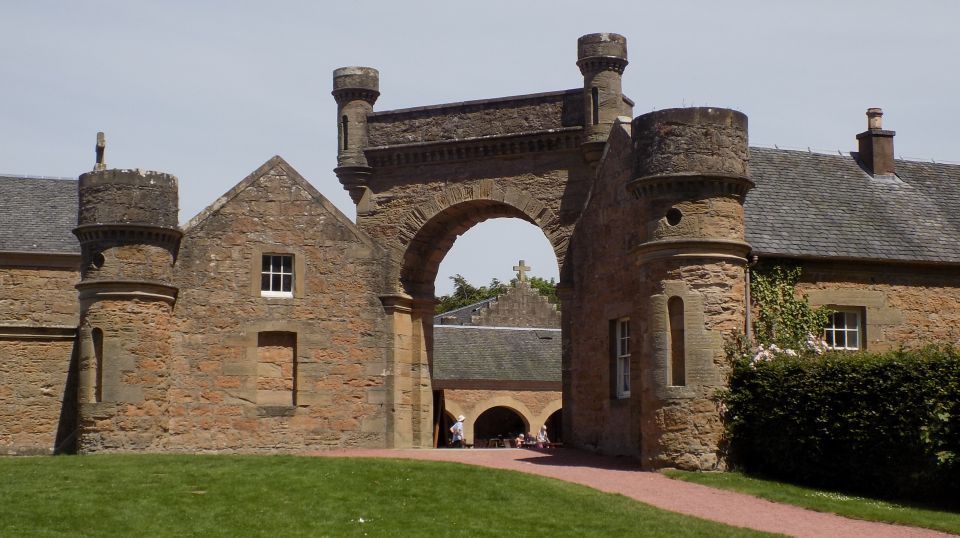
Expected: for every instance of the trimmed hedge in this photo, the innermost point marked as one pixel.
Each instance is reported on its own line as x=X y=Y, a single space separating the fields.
x=879 y=424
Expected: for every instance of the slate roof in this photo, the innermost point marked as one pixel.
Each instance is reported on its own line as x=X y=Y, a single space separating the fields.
x=496 y=353
x=37 y=214
x=826 y=206
x=464 y=314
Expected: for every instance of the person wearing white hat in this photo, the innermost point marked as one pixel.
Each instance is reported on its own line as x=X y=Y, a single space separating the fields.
x=457 y=431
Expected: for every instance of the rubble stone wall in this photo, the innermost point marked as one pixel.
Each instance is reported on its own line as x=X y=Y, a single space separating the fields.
x=335 y=315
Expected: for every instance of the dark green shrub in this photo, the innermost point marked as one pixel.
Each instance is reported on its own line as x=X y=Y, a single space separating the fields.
x=881 y=424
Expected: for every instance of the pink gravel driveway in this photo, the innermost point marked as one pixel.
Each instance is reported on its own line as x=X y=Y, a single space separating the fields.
x=622 y=475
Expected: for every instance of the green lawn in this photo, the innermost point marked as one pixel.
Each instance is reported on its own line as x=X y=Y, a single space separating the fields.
x=279 y=496
x=827 y=501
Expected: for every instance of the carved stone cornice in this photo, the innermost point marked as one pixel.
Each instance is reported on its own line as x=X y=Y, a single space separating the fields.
x=594 y=64
x=704 y=183
x=700 y=248
x=345 y=95
x=93 y=290
x=128 y=234
x=485 y=147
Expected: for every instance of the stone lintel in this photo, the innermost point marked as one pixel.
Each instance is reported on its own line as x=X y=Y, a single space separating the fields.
x=37 y=332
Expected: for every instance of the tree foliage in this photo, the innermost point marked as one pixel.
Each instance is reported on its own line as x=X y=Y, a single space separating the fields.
x=465 y=293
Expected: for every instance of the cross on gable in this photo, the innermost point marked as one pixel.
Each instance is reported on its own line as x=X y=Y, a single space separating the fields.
x=522 y=270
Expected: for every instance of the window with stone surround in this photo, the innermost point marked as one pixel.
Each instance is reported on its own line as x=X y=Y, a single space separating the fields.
x=277 y=368
x=622 y=357
x=276 y=275
x=844 y=330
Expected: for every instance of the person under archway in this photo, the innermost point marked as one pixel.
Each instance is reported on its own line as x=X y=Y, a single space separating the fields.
x=457 y=431
x=542 y=439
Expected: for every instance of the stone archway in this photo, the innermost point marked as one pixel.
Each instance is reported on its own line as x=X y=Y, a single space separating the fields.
x=429 y=231
x=499 y=422
x=437 y=225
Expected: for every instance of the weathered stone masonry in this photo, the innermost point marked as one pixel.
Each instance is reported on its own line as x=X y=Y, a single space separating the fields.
x=146 y=336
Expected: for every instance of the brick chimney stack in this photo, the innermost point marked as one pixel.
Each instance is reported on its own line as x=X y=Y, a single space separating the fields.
x=876 y=145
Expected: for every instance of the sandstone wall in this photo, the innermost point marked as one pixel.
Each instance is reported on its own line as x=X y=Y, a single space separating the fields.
x=603 y=291
x=38 y=319
x=520 y=306
x=489 y=117
x=908 y=306
x=335 y=315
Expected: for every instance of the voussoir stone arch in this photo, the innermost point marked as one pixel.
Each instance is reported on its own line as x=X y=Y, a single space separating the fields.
x=429 y=230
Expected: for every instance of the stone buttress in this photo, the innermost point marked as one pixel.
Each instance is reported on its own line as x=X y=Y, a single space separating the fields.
x=690 y=178
x=127 y=228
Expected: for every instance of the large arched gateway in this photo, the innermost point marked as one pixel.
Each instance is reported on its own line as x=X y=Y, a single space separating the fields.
x=423 y=176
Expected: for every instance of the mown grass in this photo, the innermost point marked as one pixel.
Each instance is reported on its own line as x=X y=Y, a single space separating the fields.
x=175 y=495
x=827 y=501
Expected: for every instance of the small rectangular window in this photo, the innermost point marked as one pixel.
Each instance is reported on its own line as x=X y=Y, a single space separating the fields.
x=843 y=331
x=623 y=357
x=276 y=275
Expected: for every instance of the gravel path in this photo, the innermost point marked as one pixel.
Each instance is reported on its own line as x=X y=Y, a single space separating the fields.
x=622 y=475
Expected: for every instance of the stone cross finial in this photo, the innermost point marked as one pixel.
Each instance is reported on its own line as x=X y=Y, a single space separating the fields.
x=522 y=271
x=101 y=148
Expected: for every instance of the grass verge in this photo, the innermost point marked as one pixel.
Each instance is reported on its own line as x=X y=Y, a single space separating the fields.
x=175 y=495
x=826 y=501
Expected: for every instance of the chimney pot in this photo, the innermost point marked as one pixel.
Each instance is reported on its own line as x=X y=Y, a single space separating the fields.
x=875 y=118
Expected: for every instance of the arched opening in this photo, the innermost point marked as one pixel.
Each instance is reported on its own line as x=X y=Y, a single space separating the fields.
x=678 y=357
x=498 y=423
x=555 y=426
x=97 y=335
x=433 y=230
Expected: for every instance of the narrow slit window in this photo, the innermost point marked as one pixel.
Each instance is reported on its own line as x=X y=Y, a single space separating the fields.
x=276 y=275
x=97 y=336
x=595 y=102
x=678 y=355
x=346 y=135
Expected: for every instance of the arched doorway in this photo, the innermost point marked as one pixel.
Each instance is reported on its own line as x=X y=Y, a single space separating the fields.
x=498 y=423
x=555 y=426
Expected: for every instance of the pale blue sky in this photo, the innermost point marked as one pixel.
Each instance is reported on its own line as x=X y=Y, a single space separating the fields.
x=208 y=91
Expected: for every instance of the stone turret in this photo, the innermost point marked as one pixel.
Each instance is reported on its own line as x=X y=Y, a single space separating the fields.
x=690 y=176
x=127 y=227
x=356 y=90
x=601 y=59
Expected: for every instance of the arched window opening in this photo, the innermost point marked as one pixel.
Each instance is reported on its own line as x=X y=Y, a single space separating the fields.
x=97 y=335
x=595 y=102
x=678 y=358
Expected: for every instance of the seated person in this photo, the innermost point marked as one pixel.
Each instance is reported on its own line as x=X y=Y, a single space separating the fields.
x=518 y=442
x=542 y=439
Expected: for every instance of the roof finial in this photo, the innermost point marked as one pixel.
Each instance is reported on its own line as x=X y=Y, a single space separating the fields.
x=522 y=271
x=101 y=148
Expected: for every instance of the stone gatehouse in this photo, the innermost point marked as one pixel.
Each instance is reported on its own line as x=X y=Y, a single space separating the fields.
x=272 y=322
